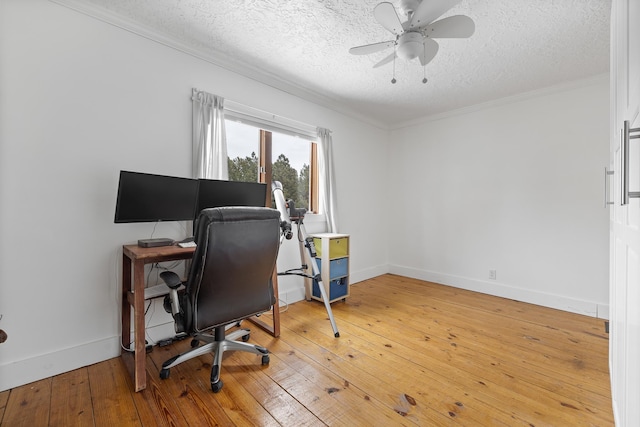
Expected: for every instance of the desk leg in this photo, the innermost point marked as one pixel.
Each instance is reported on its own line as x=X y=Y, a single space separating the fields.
x=275 y=328
x=276 y=307
x=138 y=326
x=308 y=282
x=126 y=307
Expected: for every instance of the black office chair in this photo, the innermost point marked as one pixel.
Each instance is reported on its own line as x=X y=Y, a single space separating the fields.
x=229 y=280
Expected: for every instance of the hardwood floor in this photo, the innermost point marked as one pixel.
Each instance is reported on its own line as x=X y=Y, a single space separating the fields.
x=410 y=353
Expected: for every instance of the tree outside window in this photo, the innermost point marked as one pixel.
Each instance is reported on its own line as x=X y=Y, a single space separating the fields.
x=291 y=162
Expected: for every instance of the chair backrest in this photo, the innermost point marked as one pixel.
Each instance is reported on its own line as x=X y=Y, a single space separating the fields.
x=232 y=267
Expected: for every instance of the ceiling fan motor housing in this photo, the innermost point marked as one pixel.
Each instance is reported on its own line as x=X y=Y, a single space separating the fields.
x=409 y=6
x=410 y=44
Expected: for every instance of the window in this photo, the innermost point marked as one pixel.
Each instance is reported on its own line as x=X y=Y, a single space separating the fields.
x=257 y=154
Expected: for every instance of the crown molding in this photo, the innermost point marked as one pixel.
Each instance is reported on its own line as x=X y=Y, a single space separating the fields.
x=230 y=64
x=251 y=72
x=575 y=84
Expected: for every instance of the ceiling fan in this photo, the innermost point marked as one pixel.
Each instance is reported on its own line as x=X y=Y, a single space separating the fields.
x=415 y=37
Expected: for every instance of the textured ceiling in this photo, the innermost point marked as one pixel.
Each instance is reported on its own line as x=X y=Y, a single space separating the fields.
x=302 y=47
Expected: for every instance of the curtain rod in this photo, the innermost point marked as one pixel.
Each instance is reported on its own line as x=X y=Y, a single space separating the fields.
x=236 y=107
x=242 y=111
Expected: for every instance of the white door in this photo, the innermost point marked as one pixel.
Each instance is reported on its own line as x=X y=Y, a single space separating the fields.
x=624 y=358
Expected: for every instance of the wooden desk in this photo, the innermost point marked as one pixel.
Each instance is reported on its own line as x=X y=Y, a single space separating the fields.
x=133 y=296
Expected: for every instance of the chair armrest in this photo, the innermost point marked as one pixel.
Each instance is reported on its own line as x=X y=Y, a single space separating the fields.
x=171 y=279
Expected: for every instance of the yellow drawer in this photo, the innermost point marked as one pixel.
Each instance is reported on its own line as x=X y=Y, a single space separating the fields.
x=338 y=248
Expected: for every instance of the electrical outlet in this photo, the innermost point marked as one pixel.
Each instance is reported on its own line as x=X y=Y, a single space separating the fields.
x=492 y=274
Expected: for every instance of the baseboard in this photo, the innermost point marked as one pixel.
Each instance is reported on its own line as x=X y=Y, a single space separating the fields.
x=57 y=362
x=60 y=361
x=503 y=290
x=369 y=273
x=291 y=295
x=294 y=291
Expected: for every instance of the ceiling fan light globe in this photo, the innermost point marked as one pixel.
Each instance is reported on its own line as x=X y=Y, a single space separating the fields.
x=410 y=50
x=410 y=45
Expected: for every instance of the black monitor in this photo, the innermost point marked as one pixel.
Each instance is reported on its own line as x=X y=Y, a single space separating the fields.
x=213 y=193
x=144 y=197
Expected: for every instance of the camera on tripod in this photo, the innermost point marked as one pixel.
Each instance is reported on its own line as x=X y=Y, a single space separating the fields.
x=295 y=214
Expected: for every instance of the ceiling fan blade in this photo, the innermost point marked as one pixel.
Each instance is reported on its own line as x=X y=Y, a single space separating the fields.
x=386 y=60
x=429 y=52
x=453 y=27
x=386 y=16
x=430 y=10
x=371 y=48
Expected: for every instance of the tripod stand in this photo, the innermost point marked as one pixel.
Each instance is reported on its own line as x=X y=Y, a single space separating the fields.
x=289 y=214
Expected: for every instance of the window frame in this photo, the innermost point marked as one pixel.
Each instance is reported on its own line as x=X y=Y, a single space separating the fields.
x=267 y=126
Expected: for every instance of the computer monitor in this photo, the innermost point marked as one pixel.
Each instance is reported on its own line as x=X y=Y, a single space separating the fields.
x=213 y=193
x=144 y=197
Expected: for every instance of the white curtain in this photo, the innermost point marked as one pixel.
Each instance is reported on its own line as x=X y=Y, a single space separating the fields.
x=327 y=182
x=209 y=136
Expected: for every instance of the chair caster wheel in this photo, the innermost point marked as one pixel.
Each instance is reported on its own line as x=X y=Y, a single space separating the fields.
x=164 y=374
x=265 y=359
x=245 y=338
x=195 y=343
x=216 y=387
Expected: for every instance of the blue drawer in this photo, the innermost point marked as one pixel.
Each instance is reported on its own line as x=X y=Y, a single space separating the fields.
x=337 y=267
x=337 y=288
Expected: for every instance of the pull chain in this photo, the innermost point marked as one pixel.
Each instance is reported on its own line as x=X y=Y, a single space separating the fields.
x=424 y=67
x=393 y=80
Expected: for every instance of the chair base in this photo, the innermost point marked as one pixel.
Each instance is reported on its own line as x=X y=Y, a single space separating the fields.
x=216 y=344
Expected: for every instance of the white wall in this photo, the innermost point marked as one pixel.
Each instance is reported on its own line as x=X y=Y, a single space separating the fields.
x=516 y=187
x=81 y=100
